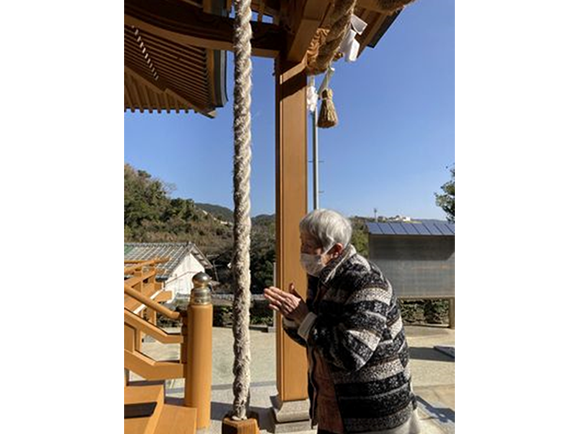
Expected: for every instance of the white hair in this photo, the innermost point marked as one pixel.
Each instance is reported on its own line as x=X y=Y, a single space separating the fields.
x=328 y=227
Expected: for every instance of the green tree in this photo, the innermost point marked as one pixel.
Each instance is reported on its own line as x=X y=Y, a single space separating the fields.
x=360 y=236
x=146 y=199
x=447 y=200
x=262 y=252
x=152 y=216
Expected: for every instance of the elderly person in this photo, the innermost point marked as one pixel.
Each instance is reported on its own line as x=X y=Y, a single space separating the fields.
x=351 y=326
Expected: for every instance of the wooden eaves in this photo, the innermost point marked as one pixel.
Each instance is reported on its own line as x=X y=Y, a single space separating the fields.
x=175 y=49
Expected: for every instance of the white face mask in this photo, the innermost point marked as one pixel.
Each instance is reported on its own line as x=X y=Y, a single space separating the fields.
x=312 y=264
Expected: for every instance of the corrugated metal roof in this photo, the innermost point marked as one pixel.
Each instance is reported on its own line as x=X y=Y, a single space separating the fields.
x=425 y=229
x=176 y=252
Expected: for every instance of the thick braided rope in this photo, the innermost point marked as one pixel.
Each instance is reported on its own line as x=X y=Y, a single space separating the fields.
x=339 y=22
x=329 y=40
x=389 y=7
x=242 y=222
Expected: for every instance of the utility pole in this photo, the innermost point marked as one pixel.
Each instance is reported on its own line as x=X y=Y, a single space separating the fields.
x=315 y=190
x=376 y=220
x=315 y=153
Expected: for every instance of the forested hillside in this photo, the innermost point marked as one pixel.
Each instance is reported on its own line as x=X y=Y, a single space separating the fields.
x=151 y=215
x=221 y=212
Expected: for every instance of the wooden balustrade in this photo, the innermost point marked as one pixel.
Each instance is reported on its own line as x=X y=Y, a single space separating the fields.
x=195 y=364
x=151 y=303
x=152 y=369
x=142 y=264
x=139 y=324
x=139 y=277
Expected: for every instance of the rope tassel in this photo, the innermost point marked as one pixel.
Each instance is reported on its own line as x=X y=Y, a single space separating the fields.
x=328 y=117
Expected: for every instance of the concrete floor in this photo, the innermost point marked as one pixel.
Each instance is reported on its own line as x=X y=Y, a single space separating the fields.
x=433 y=374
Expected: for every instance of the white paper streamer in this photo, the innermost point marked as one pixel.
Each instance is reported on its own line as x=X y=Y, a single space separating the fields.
x=349 y=46
x=311 y=98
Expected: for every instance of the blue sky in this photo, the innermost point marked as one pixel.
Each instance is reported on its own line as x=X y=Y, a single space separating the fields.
x=391 y=150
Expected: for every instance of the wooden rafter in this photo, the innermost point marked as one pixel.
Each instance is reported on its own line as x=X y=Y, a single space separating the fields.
x=261 y=11
x=376 y=27
x=186 y=24
x=209 y=58
x=305 y=17
x=157 y=89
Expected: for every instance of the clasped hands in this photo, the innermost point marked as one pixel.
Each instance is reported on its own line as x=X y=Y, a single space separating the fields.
x=289 y=304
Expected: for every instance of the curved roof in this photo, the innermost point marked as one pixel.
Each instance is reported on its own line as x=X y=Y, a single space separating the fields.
x=162 y=74
x=174 y=49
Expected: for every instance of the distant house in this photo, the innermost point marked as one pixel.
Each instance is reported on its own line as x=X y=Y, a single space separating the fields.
x=417 y=258
x=185 y=260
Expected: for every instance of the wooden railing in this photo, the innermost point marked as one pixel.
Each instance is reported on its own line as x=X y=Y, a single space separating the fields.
x=151 y=303
x=149 y=329
x=194 y=365
x=139 y=265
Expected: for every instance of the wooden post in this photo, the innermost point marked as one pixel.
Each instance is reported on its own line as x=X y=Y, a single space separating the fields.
x=152 y=316
x=139 y=273
x=140 y=286
x=291 y=206
x=129 y=346
x=138 y=334
x=199 y=347
x=452 y=313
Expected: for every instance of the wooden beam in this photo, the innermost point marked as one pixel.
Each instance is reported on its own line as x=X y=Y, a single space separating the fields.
x=375 y=30
x=305 y=16
x=150 y=369
x=163 y=296
x=261 y=11
x=186 y=24
x=210 y=68
x=135 y=322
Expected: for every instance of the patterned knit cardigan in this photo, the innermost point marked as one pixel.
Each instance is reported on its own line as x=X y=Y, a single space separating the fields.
x=357 y=328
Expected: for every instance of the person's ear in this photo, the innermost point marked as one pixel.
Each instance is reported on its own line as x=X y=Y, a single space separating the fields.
x=336 y=250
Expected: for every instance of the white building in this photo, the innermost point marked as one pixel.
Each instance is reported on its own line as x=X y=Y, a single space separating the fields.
x=185 y=260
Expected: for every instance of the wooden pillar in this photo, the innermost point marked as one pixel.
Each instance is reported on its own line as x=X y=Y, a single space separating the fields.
x=291 y=206
x=452 y=313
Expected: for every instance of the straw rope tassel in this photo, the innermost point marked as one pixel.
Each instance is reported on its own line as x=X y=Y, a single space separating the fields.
x=328 y=117
x=242 y=222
